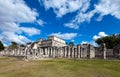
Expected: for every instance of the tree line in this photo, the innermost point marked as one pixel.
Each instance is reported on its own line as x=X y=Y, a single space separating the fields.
x=13 y=45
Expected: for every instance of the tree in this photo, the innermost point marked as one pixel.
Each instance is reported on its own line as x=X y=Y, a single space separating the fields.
x=1 y=46
x=110 y=41
x=13 y=45
x=70 y=43
x=22 y=45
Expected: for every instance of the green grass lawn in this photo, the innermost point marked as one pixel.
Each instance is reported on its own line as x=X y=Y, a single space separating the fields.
x=10 y=67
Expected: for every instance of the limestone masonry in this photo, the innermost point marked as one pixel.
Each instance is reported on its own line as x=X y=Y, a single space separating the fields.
x=55 y=47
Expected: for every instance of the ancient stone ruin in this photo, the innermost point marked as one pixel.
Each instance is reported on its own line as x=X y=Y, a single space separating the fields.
x=55 y=47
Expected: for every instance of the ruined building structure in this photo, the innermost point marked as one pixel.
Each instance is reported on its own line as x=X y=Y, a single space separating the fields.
x=55 y=47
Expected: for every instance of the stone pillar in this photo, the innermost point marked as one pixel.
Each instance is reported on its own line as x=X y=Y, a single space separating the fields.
x=50 y=52
x=104 y=51
x=57 y=52
x=92 y=52
x=61 y=52
x=81 y=52
x=69 y=52
x=73 y=52
x=78 y=50
x=42 y=53
x=65 y=51
x=54 y=49
x=48 y=49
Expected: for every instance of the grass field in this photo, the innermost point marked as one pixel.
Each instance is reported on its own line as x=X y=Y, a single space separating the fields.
x=10 y=67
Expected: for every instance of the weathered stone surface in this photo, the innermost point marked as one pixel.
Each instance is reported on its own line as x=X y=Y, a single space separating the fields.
x=79 y=51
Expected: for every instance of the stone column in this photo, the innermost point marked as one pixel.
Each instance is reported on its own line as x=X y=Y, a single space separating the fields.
x=51 y=52
x=61 y=52
x=63 y=55
x=57 y=52
x=104 y=51
x=65 y=51
x=69 y=52
x=41 y=52
x=78 y=50
x=73 y=51
x=81 y=52
x=48 y=49
x=92 y=52
x=54 y=49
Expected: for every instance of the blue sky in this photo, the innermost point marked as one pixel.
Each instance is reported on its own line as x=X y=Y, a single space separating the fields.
x=80 y=21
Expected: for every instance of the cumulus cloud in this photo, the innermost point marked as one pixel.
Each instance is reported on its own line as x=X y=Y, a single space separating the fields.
x=108 y=7
x=89 y=42
x=30 y=30
x=11 y=36
x=100 y=35
x=66 y=36
x=102 y=8
x=80 y=18
x=12 y=13
x=62 y=7
x=16 y=11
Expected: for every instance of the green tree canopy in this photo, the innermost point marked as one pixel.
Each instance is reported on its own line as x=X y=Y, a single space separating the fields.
x=13 y=45
x=22 y=45
x=110 y=41
x=70 y=43
x=1 y=46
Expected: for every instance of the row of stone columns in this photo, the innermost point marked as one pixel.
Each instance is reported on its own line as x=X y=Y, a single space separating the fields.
x=15 y=52
x=79 y=51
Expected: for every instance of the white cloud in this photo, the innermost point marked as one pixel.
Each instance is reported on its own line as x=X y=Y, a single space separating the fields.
x=84 y=42
x=66 y=36
x=100 y=34
x=16 y=11
x=80 y=18
x=108 y=7
x=89 y=42
x=103 y=7
x=12 y=13
x=41 y=22
x=30 y=30
x=71 y=25
x=62 y=7
x=11 y=36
